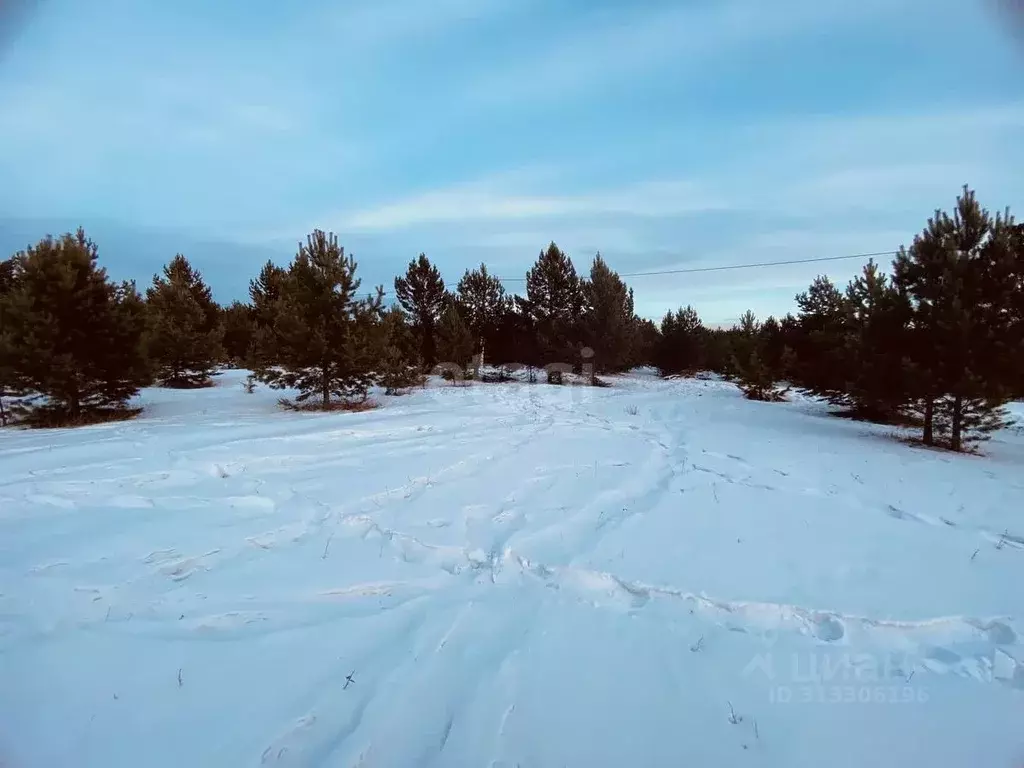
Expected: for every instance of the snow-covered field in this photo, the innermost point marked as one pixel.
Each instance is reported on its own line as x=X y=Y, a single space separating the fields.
x=653 y=574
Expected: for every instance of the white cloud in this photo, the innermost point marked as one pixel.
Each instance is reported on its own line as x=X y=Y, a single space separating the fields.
x=485 y=201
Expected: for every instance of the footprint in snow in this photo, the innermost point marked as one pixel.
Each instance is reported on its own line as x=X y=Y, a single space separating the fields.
x=828 y=628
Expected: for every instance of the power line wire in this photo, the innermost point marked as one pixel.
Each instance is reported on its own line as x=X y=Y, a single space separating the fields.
x=722 y=268
x=691 y=270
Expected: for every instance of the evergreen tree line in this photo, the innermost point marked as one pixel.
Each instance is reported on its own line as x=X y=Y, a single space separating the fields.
x=938 y=341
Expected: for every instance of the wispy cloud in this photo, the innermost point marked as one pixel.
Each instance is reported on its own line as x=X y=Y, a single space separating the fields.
x=481 y=201
x=804 y=167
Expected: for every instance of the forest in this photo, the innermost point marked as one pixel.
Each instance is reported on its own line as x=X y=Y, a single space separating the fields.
x=934 y=341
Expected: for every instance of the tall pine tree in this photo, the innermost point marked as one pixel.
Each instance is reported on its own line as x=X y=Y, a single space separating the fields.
x=322 y=334
x=609 y=322
x=71 y=334
x=962 y=320
x=455 y=340
x=266 y=291
x=184 y=326
x=484 y=304
x=421 y=293
x=554 y=301
x=823 y=366
x=878 y=317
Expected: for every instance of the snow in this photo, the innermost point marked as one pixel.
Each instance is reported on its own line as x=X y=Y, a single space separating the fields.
x=658 y=573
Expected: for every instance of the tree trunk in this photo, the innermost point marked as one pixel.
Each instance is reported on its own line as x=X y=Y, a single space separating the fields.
x=956 y=437
x=929 y=415
x=325 y=382
x=75 y=399
x=428 y=347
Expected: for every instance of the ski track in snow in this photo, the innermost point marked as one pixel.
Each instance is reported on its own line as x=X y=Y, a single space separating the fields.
x=506 y=575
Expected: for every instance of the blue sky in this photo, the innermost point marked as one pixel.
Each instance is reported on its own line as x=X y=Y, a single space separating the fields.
x=664 y=134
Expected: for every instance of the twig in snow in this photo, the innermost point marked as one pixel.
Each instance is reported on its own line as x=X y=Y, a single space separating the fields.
x=714 y=490
x=1002 y=539
x=975 y=554
x=180 y=683
x=756 y=734
x=733 y=717
x=326 y=547
x=911 y=675
x=349 y=679
x=698 y=645
x=108 y=614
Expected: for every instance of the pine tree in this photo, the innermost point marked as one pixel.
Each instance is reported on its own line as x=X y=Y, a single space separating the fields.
x=773 y=345
x=963 y=325
x=757 y=380
x=398 y=368
x=455 y=340
x=515 y=344
x=748 y=325
x=681 y=347
x=266 y=292
x=1014 y=267
x=484 y=304
x=823 y=367
x=321 y=333
x=758 y=357
x=71 y=334
x=876 y=346
x=609 y=321
x=9 y=375
x=554 y=301
x=239 y=324
x=716 y=351
x=645 y=343
x=421 y=293
x=184 y=326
